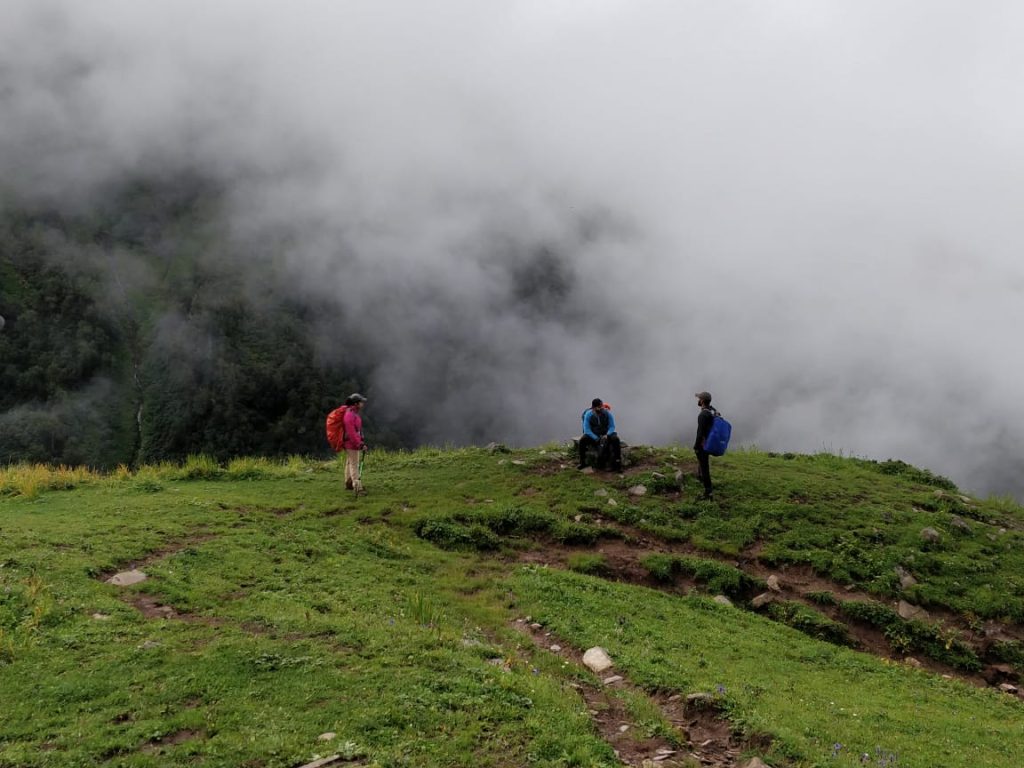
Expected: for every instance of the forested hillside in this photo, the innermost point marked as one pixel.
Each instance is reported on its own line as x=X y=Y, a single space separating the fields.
x=136 y=330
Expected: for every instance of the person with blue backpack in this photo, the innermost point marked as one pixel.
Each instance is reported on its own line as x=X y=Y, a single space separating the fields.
x=713 y=433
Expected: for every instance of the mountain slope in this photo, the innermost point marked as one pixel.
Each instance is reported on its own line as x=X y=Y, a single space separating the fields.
x=430 y=623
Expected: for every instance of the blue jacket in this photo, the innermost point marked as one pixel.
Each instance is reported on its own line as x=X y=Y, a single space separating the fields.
x=586 y=424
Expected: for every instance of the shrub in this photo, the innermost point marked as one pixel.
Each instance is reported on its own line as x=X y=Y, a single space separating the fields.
x=513 y=520
x=1008 y=651
x=248 y=468
x=914 y=635
x=661 y=567
x=717 y=577
x=913 y=474
x=449 y=534
x=577 y=533
x=596 y=565
x=822 y=598
x=200 y=467
x=810 y=622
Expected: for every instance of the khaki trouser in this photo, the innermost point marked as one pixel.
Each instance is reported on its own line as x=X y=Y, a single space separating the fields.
x=352 y=469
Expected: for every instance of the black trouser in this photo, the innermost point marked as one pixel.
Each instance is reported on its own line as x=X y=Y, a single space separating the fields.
x=705 y=469
x=610 y=449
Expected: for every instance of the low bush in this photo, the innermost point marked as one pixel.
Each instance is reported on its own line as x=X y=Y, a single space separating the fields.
x=715 y=576
x=914 y=635
x=449 y=534
x=810 y=622
x=595 y=565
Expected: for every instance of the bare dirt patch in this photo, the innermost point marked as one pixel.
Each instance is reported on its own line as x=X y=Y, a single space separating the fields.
x=168 y=549
x=171 y=739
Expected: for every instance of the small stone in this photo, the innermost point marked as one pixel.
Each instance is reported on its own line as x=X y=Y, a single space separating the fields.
x=755 y=762
x=1008 y=688
x=960 y=524
x=657 y=475
x=518 y=462
x=908 y=611
x=700 y=699
x=723 y=600
x=127 y=578
x=597 y=660
x=762 y=600
x=966 y=499
x=600 y=492
x=587 y=470
x=906 y=580
x=910 y=661
x=637 y=490
x=329 y=736
x=930 y=535
x=773 y=583
x=577 y=518
x=149 y=645
x=612 y=680
x=536 y=625
x=101 y=616
x=623 y=728
x=612 y=503
x=556 y=648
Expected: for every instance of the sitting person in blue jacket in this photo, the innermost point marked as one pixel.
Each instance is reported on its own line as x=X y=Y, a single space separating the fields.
x=599 y=431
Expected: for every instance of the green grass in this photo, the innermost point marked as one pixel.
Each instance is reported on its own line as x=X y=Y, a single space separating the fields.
x=388 y=619
x=804 y=694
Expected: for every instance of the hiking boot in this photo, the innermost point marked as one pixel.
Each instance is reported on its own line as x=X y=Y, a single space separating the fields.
x=348 y=485
x=707 y=497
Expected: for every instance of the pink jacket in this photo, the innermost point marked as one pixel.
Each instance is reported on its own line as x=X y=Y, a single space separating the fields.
x=353 y=431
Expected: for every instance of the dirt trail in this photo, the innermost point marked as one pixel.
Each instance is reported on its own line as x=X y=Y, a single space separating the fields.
x=700 y=734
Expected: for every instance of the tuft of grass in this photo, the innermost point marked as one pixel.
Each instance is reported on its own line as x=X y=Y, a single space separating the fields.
x=29 y=480
x=715 y=576
x=200 y=467
x=595 y=565
x=452 y=535
x=810 y=622
x=913 y=474
x=914 y=636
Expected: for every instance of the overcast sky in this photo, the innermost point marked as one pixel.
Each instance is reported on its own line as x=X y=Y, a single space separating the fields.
x=811 y=209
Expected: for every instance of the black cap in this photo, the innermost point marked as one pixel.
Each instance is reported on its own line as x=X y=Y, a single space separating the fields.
x=704 y=397
x=354 y=398
x=597 y=402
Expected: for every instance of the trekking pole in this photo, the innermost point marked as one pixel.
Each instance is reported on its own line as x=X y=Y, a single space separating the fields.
x=359 y=476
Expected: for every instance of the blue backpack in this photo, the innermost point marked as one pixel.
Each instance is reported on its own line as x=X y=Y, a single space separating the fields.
x=718 y=438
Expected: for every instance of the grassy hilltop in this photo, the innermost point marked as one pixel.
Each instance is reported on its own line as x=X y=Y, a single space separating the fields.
x=440 y=619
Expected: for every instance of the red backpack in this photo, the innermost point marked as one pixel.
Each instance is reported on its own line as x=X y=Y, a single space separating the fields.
x=336 y=427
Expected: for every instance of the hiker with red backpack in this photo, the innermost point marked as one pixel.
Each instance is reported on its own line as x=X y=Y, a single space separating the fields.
x=345 y=433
